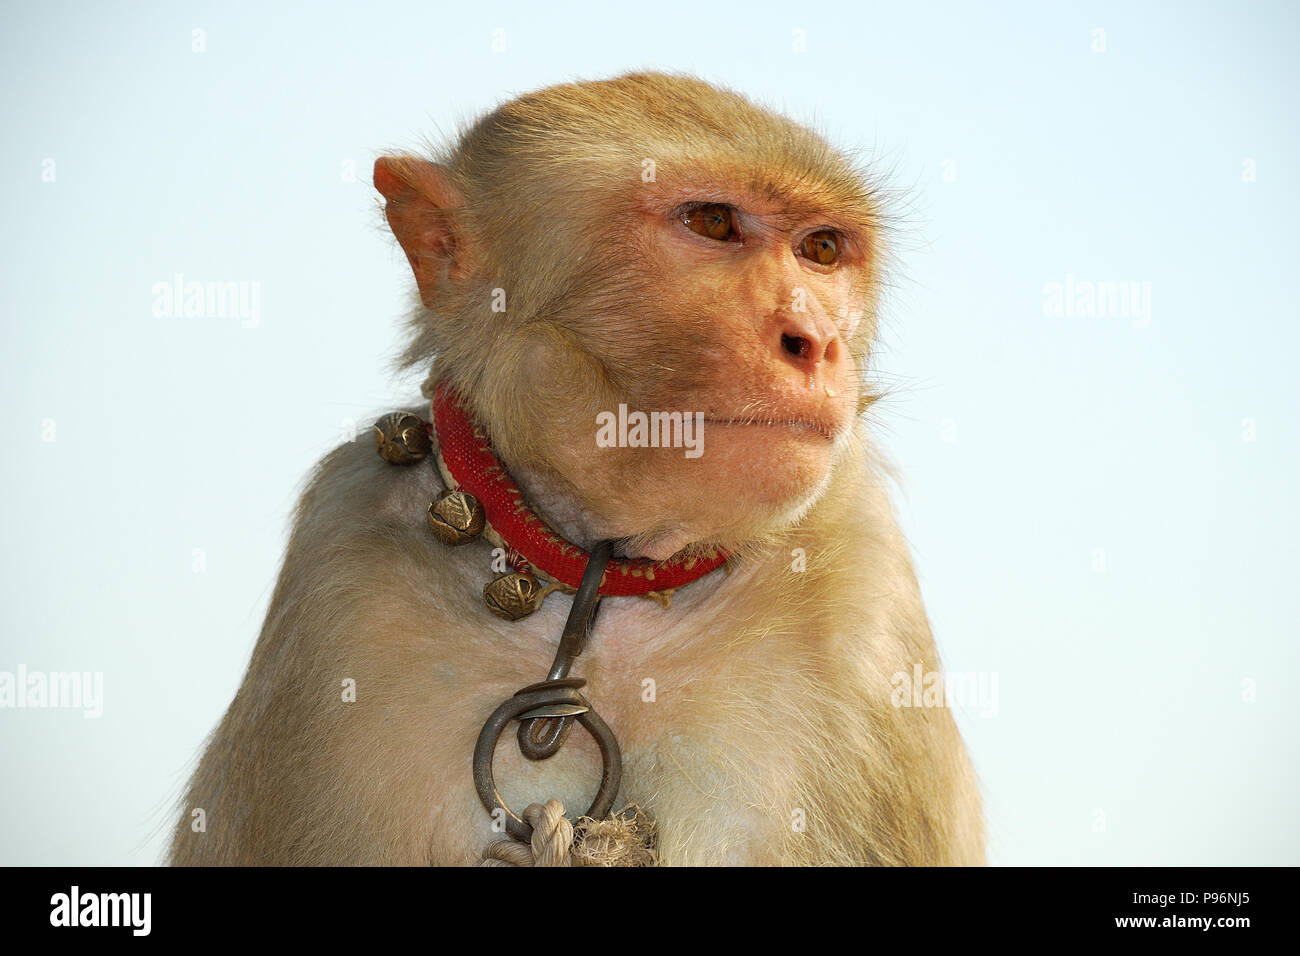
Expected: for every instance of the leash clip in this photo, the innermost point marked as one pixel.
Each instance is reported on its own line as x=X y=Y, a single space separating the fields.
x=546 y=711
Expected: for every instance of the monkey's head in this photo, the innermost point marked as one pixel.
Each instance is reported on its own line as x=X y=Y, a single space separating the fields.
x=656 y=243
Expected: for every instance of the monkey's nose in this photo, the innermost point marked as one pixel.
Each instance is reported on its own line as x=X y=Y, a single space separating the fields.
x=806 y=347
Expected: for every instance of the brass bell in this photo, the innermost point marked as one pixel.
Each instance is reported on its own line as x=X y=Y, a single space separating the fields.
x=456 y=517
x=402 y=438
x=513 y=595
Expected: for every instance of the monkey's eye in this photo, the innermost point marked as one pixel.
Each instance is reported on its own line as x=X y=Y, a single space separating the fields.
x=712 y=220
x=822 y=247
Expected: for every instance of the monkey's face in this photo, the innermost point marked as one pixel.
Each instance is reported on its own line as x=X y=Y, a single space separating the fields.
x=732 y=370
x=677 y=356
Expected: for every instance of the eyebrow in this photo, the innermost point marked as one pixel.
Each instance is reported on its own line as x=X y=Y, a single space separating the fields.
x=851 y=210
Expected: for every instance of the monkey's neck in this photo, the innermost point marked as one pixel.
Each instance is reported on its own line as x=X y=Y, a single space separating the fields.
x=554 y=546
x=556 y=504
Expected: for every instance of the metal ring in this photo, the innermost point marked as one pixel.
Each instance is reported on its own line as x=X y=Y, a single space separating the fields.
x=611 y=759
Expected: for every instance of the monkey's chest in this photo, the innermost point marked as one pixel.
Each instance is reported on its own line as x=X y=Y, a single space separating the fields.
x=692 y=756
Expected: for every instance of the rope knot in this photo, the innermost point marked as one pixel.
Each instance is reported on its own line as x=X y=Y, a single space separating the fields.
x=625 y=839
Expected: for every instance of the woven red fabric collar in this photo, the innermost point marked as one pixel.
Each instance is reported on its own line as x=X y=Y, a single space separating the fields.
x=469 y=459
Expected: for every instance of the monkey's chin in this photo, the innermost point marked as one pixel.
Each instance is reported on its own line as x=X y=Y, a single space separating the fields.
x=774 y=467
x=753 y=486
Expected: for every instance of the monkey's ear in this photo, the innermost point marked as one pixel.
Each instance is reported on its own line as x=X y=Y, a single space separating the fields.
x=421 y=208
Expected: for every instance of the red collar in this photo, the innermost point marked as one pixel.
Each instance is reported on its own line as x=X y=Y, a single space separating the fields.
x=467 y=455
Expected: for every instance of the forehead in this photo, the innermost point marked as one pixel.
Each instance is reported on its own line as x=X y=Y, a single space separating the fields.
x=662 y=140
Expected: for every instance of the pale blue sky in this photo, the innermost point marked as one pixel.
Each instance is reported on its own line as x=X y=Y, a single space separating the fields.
x=1025 y=442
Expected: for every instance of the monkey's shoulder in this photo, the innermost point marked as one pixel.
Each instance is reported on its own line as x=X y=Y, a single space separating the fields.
x=361 y=534
x=353 y=490
x=362 y=568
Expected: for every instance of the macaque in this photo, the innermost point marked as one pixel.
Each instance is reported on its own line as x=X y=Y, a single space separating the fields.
x=646 y=244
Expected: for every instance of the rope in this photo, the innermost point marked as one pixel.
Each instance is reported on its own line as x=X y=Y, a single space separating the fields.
x=551 y=843
x=625 y=839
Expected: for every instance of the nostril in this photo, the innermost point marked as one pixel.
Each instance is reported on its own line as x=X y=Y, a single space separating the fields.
x=796 y=345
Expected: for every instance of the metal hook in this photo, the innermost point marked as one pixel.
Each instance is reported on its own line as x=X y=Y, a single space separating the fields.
x=542 y=735
x=547 y=710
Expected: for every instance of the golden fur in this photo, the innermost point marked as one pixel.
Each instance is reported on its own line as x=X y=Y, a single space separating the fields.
x=772 y=694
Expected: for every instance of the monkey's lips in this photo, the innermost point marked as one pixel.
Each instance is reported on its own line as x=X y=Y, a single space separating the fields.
x=809 y=426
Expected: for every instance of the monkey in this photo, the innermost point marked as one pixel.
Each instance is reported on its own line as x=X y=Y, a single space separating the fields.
x=647 y=243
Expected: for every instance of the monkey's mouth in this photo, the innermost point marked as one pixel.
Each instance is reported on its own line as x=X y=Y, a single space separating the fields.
x=799 y=424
